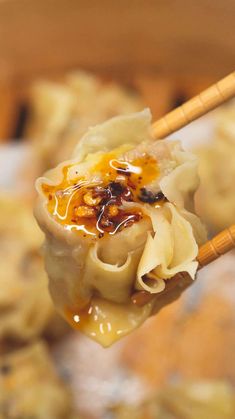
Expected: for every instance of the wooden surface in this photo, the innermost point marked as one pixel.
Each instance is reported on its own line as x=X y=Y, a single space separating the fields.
x=172 y=37
x=8 y=113
x=168 y=50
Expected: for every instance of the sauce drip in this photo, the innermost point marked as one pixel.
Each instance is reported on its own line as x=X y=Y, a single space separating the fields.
x=94 y=321
x=95 y=207
x=104 y=321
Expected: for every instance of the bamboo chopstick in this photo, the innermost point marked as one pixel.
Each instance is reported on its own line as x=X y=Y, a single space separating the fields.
x=214 y=248
x=211 y=250
x=199 y=105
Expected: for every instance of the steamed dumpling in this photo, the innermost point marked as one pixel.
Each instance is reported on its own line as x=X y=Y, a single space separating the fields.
x=62 y=111
x=117 y=218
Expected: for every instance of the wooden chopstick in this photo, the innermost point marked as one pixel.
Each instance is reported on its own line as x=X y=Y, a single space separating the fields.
x=214 y=248
x=199 y=105
x=211 y=250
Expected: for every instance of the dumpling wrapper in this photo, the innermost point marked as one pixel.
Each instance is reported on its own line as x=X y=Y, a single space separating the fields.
x=106 y=272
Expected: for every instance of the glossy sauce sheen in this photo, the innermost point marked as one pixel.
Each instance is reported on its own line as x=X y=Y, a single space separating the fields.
x=104 y=320
x=95 y=209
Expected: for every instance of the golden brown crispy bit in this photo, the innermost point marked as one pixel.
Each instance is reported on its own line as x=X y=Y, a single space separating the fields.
x=90 y=200
x=84 y=211
x=113 y=210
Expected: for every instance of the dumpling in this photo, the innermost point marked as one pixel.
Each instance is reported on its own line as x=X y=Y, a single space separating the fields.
x=216 y=197
x=117 y=218
x=26 y=309
x=183 y=400
x=62 y=111
x=30 y=386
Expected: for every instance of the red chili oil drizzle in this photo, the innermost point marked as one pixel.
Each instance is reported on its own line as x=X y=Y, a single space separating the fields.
x=96 y=208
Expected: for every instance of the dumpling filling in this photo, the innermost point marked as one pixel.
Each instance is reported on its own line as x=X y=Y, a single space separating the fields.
x=118 y=218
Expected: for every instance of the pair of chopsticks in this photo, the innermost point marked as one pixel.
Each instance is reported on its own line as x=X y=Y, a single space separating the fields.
x=199 y=105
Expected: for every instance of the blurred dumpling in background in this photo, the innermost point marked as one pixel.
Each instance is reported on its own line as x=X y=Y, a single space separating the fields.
x=26 y=309
x=62 y=112
x=216 y=196
x=190 y=400
x=225 y=117
x=31 y=388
